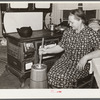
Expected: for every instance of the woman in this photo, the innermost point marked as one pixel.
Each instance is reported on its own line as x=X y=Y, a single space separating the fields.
x=77 y=43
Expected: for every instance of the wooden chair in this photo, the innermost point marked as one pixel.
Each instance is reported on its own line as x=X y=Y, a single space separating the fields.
x=86 y=82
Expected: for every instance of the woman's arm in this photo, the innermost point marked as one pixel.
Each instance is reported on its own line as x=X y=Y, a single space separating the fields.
x=83 y=61
x=49 y=50
x=93 y=54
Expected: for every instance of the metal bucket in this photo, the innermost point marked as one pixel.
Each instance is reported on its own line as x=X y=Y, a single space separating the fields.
x=38 y=76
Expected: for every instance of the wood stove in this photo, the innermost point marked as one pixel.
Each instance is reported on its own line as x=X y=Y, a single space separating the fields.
x=22 y=53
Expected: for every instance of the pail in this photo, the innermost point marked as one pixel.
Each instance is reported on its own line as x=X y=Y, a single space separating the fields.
x=38 y=76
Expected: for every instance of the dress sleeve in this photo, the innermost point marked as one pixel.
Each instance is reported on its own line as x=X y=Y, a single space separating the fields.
x=63 y=40
x=95 y=40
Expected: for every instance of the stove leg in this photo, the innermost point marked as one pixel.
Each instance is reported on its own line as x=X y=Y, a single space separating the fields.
x=7 y=69
x=22 y=80
x=22 y=85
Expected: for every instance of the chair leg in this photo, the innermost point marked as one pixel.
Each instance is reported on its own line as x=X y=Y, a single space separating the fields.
x=94 y=84
x=86 y=82
x=92 y=80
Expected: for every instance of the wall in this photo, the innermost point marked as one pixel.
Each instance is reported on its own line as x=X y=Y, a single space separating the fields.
x=58 y=7
x=94 y=6
x=57 y=10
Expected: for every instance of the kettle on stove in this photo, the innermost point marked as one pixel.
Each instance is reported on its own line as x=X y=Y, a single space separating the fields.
x=25 y=31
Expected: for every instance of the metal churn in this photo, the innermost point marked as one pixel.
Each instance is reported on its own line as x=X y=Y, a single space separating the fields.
x=38 y=77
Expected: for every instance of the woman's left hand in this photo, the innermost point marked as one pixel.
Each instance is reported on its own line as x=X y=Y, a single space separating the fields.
x=82 y=63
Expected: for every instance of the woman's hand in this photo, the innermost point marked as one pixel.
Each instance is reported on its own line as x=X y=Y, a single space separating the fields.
x=82 y=63
x=42 y=50
x=46 y=49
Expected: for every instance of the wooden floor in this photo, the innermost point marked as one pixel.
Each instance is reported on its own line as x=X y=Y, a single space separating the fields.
x=8 y=80
x=3 y=58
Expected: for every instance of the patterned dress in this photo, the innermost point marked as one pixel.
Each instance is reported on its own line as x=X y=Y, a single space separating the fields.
x=64 y=73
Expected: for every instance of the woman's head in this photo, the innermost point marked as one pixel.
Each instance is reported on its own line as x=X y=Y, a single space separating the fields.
x=76 y=18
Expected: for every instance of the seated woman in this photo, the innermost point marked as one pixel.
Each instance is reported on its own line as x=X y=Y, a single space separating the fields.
x=77 y=43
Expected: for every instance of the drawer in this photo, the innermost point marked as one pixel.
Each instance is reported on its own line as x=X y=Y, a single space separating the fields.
x=13 y=50
x=14 y=62
x=20 y=66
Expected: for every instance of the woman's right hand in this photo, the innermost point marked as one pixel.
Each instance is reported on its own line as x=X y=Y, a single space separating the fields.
x=46 y=49
x=42 y=50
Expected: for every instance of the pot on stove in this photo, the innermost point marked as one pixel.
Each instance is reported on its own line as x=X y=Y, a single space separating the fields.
x=25 y=31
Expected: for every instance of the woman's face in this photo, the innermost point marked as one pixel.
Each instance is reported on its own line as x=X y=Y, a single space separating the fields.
x=74 y=23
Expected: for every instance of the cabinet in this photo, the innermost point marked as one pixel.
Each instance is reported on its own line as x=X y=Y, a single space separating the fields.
x=22 y=53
